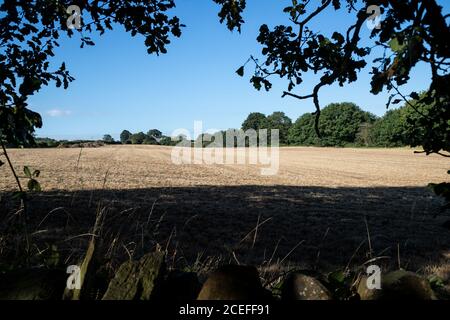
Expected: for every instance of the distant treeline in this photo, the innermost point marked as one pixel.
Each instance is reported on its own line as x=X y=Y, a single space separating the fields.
x=341 y=124
x=152 y=137
x=53 y=143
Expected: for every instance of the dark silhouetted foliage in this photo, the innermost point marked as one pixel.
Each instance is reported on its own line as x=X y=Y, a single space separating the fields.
x=155 y=133
x=125 y=136
x=138 y=138
x=30 y=32
x=108 y=138
x=412 y=32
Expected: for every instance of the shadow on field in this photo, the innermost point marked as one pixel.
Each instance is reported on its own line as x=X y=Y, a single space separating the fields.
x=307 y=226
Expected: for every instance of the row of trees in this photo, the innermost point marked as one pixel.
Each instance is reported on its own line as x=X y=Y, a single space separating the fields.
x=342 y=124
x=346 y=124
x=152 y=137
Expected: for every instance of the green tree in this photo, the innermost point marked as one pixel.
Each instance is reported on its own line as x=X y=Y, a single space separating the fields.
x=340 y=125
x=150 y=140
x=302 y=132
x=138 y=138
x=155 y=133
x=419 y=131
x=125 y=136
x=412 y=32
x=255 y=121
x=31 y=30
x=167 y=141
x=108 y=138
x=278 y=120
x=389 y=131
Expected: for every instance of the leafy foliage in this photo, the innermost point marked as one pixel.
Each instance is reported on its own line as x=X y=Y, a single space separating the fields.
x=427 y=124
x=340 y=124
x=138 y=138
x=30 y=32
x=278 y=120
x=108 y=138
x=152 y=137
x=255 y=121
x=388 y=131
x=33 y=184
x=232 y=12
x=125 y=136
x=302 y=131
x=46 y=143
x=412 y=32
x=155 y=133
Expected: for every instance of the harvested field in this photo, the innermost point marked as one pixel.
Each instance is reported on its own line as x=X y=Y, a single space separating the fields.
x=326 y=207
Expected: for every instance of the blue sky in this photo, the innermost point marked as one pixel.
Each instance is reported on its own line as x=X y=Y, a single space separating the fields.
x=119 y=86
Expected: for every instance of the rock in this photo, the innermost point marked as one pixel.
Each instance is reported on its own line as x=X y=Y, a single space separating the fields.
x=33 y=284
x=364 y=292
x=404 y=285
x=180 y=286
x=232 y=282
x=397 y=285
x=138 y=280
x=298 y=286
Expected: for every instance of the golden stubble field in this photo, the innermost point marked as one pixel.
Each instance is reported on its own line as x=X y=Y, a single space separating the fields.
x=132 y=167
x=325 y=207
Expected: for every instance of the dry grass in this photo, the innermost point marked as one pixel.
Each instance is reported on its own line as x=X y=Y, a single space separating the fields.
x=132 y=167
x=317 y=212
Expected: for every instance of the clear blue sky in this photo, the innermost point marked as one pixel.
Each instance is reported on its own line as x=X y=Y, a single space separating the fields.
x=119 y=86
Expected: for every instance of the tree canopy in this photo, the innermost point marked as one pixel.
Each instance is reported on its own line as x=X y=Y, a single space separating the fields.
x=412 y=32
x=340 y=125
x=255 y=121
x=31 y=30
x=125 y=136
x=278 y=120
x=108 y=138
x=388 y=131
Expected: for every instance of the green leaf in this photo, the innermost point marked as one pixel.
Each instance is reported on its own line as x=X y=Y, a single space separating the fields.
x=27 y=172
x=36 y=173
x=414 y=95
x=240 y=71
x=396 y=46
x=337 y=277
x=436 y=282
x=34 y=185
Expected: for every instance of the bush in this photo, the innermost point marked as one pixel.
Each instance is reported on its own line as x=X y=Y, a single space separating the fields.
x=388 y=131
x=138 y=138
